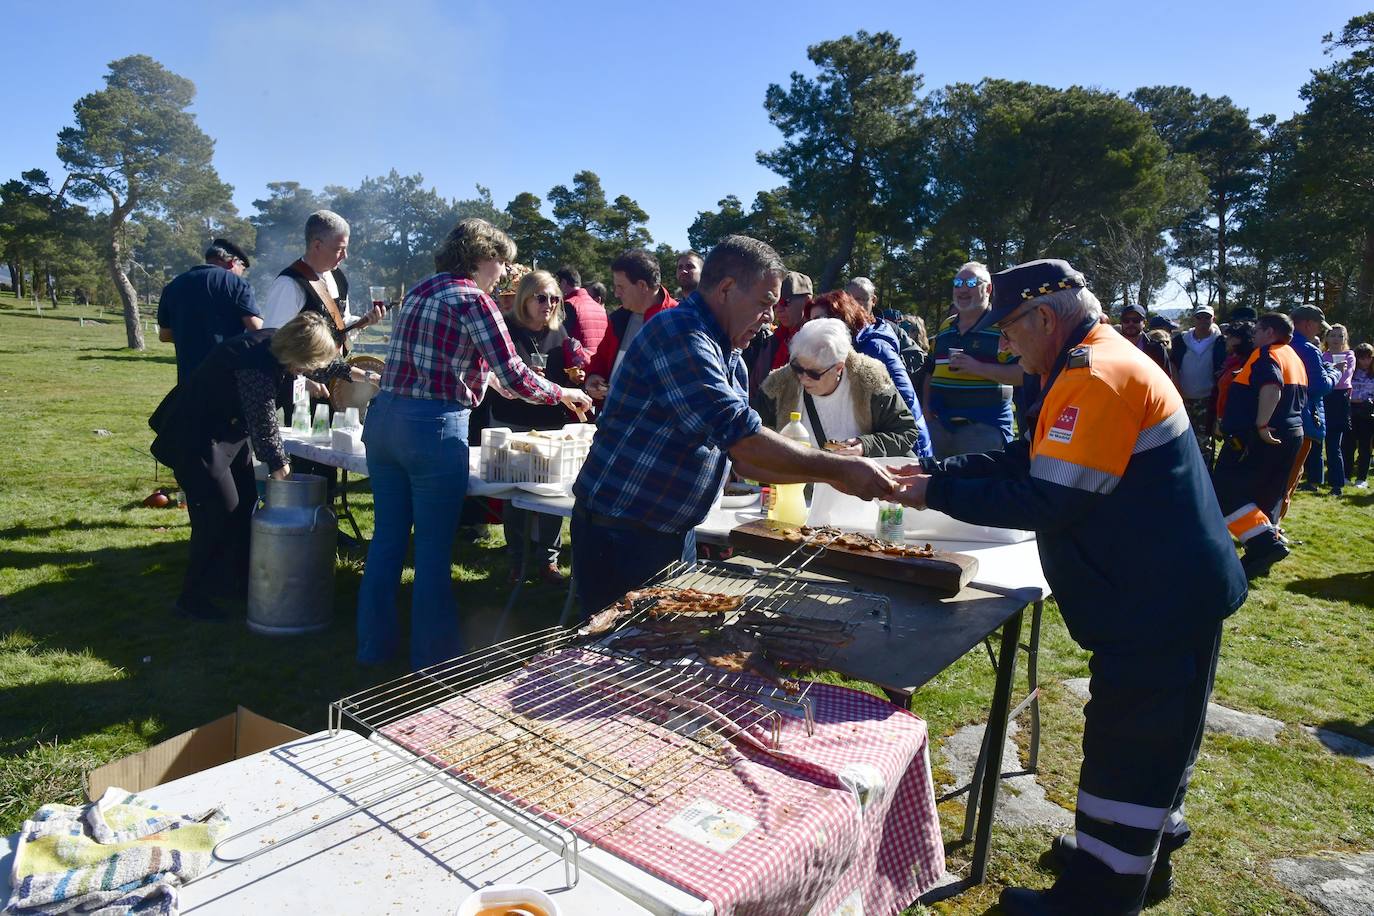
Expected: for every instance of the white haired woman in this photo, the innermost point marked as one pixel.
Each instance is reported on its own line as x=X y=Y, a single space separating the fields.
x=846 y=400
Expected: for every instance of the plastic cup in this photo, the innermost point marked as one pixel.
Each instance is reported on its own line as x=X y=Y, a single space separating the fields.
x=377 y=294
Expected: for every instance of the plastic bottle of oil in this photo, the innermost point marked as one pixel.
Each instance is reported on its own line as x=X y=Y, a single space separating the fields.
x=789 y=507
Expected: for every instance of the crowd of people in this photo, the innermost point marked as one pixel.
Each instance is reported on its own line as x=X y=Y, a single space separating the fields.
x=1026 y=409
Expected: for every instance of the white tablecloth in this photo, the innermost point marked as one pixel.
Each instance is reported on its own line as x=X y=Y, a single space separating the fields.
x=356 y=463
x=714 y=530
x=424 y=851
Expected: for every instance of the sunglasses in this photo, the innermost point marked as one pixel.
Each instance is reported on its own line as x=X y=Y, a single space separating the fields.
x=814 y=374
x=546 y=299
x=971 y=282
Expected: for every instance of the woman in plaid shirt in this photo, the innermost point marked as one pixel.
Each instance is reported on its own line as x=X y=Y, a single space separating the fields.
x=447 y=341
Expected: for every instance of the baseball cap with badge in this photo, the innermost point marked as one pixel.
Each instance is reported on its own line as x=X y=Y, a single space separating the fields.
x=1204 y=310
x=1028 y=281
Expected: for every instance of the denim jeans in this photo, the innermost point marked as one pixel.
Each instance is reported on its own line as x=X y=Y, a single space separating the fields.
x=417 y=458
x=1337 y=428
x=608 y=562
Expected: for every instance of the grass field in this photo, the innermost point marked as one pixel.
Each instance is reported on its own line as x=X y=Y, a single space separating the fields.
x=93 y=666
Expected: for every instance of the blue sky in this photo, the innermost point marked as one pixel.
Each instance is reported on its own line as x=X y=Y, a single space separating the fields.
x=663 y=101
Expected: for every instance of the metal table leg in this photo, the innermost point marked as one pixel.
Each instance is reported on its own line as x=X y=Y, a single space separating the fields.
x=345 y=511
x=996 y=735
x=527 y=537
x=987 y=776
x=1033 y=685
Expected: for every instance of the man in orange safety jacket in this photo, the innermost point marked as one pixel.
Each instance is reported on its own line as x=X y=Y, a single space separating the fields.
x=1109 y=458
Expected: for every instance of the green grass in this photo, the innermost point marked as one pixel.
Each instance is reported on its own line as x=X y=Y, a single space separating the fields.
x=93 y=666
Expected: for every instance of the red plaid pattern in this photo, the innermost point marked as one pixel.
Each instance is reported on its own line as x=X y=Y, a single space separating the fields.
x=445 y=340
x=813 y=847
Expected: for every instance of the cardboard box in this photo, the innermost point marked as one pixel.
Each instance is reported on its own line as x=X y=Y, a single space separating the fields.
x=236 y=735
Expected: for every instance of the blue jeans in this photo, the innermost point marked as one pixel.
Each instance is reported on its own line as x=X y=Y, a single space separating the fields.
x=417 y=458
x=1337 y=428
x=608 y=562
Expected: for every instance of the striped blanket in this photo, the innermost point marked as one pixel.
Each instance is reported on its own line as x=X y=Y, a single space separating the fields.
x=117 y=855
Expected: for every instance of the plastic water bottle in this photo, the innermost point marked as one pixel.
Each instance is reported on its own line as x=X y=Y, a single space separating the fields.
x=321 y=427
x=789 y=506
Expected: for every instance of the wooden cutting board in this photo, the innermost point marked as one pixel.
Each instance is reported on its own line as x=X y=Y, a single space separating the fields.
x=944 y=572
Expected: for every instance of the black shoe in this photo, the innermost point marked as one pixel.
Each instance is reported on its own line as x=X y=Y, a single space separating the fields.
x=1021 y=901
x=1064 y=847
x=1307 y=488
x=1336 y=491
x=1258 y=560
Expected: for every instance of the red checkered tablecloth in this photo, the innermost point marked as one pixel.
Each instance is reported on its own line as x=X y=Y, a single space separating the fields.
x=839 y=821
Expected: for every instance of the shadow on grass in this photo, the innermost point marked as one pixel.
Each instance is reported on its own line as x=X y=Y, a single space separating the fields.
x=113 y=605
x=1354 y=587
x=132 y=356
x=1361 y=733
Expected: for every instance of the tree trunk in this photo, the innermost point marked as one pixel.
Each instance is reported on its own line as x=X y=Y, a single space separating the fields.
x=1364 y=288
x=16 y=277
x=133 y=328
x=1221 y=255
x=844 y=250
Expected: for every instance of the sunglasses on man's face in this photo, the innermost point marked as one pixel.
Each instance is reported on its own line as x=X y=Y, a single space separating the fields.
x=970 y=282
x=814 y=374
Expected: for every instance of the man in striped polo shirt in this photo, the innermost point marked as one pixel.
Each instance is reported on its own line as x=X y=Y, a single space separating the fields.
x=967 y=399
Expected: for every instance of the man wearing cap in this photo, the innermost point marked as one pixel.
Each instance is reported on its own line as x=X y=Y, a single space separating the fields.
x=1133 y=319
x=1195 y=360
x=967 y=396
x=1111 y=459
x=1309 y=325
x=1263 y=433
x=207 y=304
x=769 y=349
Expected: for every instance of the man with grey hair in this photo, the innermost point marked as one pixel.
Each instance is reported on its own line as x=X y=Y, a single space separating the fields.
x=967 y=395
x=677 y=414
x=314 y=282
x=864 y=293
x=207 y=305
x=1111 y=459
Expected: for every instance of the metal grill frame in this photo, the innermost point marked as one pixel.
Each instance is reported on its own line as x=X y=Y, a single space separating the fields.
x=721 y=705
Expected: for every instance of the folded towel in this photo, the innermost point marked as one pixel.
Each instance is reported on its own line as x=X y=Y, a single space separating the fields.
x=117 y=855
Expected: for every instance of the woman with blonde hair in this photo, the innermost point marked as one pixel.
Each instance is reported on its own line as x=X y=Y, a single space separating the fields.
x=1337 y=403
x=448 y=340
x=535 y=320
x=205 y=427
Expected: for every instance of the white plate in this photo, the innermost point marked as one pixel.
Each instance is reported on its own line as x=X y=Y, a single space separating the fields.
x=739 y=502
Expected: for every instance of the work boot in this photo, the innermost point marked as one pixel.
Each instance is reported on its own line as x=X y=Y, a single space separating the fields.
x=1065 y=846
x=1261 y=553
x=1086 y=887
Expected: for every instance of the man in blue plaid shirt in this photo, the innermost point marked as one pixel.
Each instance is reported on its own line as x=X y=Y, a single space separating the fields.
x=678 y=409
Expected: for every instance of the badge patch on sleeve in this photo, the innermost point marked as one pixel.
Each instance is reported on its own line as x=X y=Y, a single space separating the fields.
x=1062 y=429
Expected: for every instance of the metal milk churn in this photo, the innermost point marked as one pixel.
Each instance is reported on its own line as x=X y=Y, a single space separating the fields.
x=291 y=559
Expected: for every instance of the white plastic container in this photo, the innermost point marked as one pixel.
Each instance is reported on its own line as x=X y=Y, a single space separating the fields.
x=544 y=457
x=513 y=898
